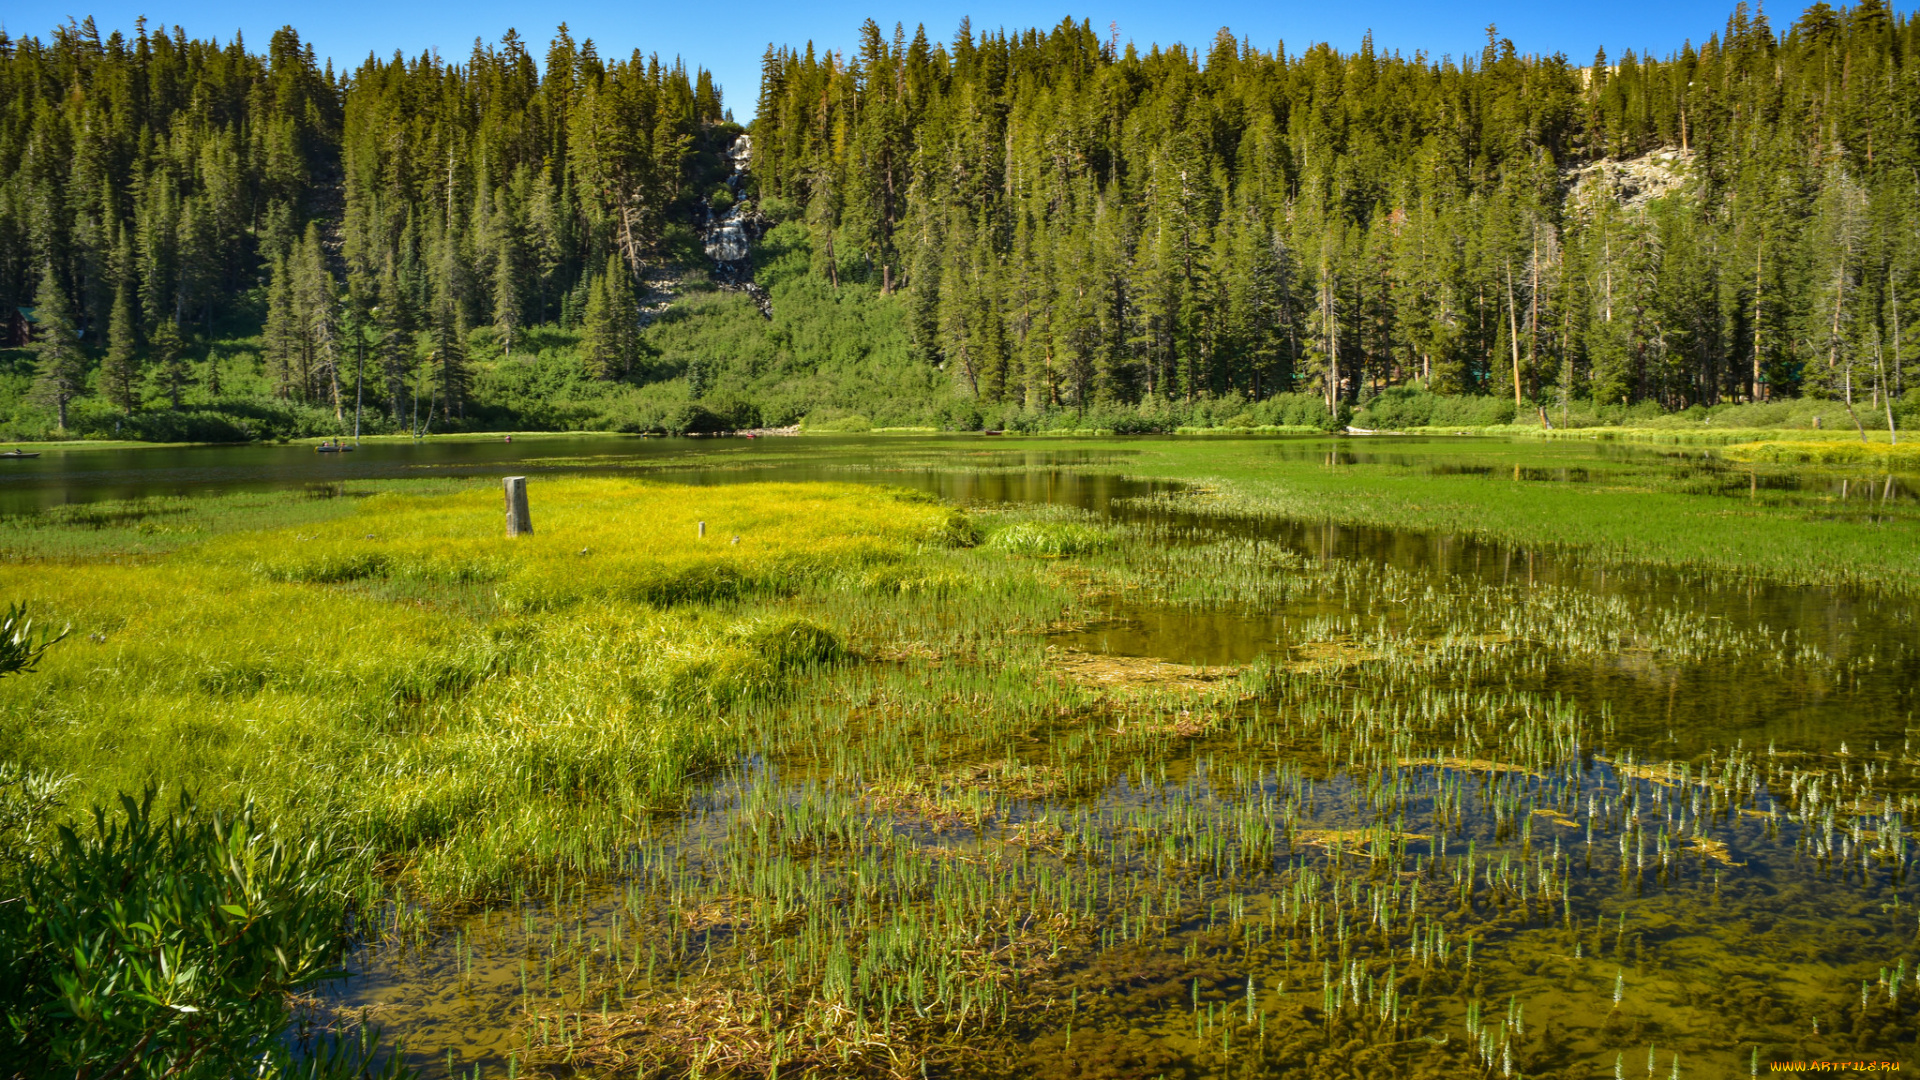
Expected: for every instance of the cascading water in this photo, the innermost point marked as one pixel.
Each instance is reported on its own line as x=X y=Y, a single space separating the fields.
x=729 y=239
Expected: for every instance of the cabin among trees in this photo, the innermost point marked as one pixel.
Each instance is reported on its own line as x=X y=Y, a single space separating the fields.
x=16 y=328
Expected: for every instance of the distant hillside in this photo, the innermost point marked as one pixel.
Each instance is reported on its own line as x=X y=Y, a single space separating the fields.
x=1030 y=230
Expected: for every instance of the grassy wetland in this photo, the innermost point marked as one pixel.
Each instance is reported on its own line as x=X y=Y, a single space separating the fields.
x=1096 y=758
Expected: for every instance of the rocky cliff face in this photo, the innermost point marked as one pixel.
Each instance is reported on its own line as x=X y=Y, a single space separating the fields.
x=1633 y=183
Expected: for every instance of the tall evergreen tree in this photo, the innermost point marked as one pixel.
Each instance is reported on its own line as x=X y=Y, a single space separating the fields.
x=283 y=341
x=393 y=319
x=172 y=375
x=609 y=345
x=451 y=373
x=120 y=368
x=60 y=368
x=599 y=339
x=313 y=307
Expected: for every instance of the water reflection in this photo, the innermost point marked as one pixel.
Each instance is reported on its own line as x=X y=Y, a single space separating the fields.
x=973 y=470
x=963 y=467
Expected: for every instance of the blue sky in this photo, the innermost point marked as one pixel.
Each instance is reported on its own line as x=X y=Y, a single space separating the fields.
x=728 y=39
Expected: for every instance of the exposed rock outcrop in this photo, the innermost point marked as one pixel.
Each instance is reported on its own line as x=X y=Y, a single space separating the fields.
x=1632 y=183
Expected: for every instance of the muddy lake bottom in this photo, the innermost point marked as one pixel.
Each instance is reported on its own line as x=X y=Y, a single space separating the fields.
x=1265 y=798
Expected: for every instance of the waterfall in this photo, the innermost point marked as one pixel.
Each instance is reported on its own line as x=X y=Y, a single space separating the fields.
x=729 y=239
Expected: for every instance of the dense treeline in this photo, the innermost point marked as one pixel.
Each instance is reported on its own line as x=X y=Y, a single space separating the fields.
x=155 y=189
x=1071 y=223
x=1010 y=229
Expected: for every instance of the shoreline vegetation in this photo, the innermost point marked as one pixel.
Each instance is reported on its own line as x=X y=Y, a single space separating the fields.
x=1873 y=449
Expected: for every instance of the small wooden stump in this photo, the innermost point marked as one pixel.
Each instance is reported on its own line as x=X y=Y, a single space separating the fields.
x=519 y=518
x=703 y=530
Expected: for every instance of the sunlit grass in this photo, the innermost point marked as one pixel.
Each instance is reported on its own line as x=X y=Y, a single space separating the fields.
x=454 y=698
x=1049 y=539
x=597 y=538
x=1901 y=456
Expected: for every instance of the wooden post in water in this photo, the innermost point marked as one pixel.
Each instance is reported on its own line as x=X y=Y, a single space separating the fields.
x=519 y=519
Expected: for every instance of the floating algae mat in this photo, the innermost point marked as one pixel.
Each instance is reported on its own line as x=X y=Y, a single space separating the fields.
x=1204 y=798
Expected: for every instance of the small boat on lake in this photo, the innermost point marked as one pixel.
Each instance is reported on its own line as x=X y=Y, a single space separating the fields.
x=19 y=454
x=335 y=448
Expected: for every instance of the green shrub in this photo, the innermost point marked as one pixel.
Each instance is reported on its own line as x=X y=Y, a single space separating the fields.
x=778 y=210
x=1401 y=407
x=21 y=646
x=1287 y=410
x=694 y=418
x=849 y=422
x=158 y=945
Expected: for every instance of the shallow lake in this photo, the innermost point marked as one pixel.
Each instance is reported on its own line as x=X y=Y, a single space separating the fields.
x=1496 y=810
x=63 y=475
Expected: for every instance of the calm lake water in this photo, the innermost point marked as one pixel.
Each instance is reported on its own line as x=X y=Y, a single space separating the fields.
x=1639 y=921
x=62 y=475
x=972 y=468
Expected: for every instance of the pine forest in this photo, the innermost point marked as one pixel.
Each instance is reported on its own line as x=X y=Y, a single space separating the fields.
x=1015 y=229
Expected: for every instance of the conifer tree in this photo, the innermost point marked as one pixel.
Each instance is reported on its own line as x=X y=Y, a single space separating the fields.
x=282 y=338
x=120 y=368
x=624 y=312
x=315 y=320
x=172 y=375
x=60 y=365
x=597 y=345
x=509 y=274
x=211 y=382
x=450 y=370
x=393 y=318
x=610 y=338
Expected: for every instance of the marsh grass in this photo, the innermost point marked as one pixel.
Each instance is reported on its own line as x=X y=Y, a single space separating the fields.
x=957 y=856
x=1903 y=457
x=1678 y=434
x=594 y=539
x=1049 y=539
x=1341 y=902
x=853 y=816
x=463 y=704
x=1624 y=511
